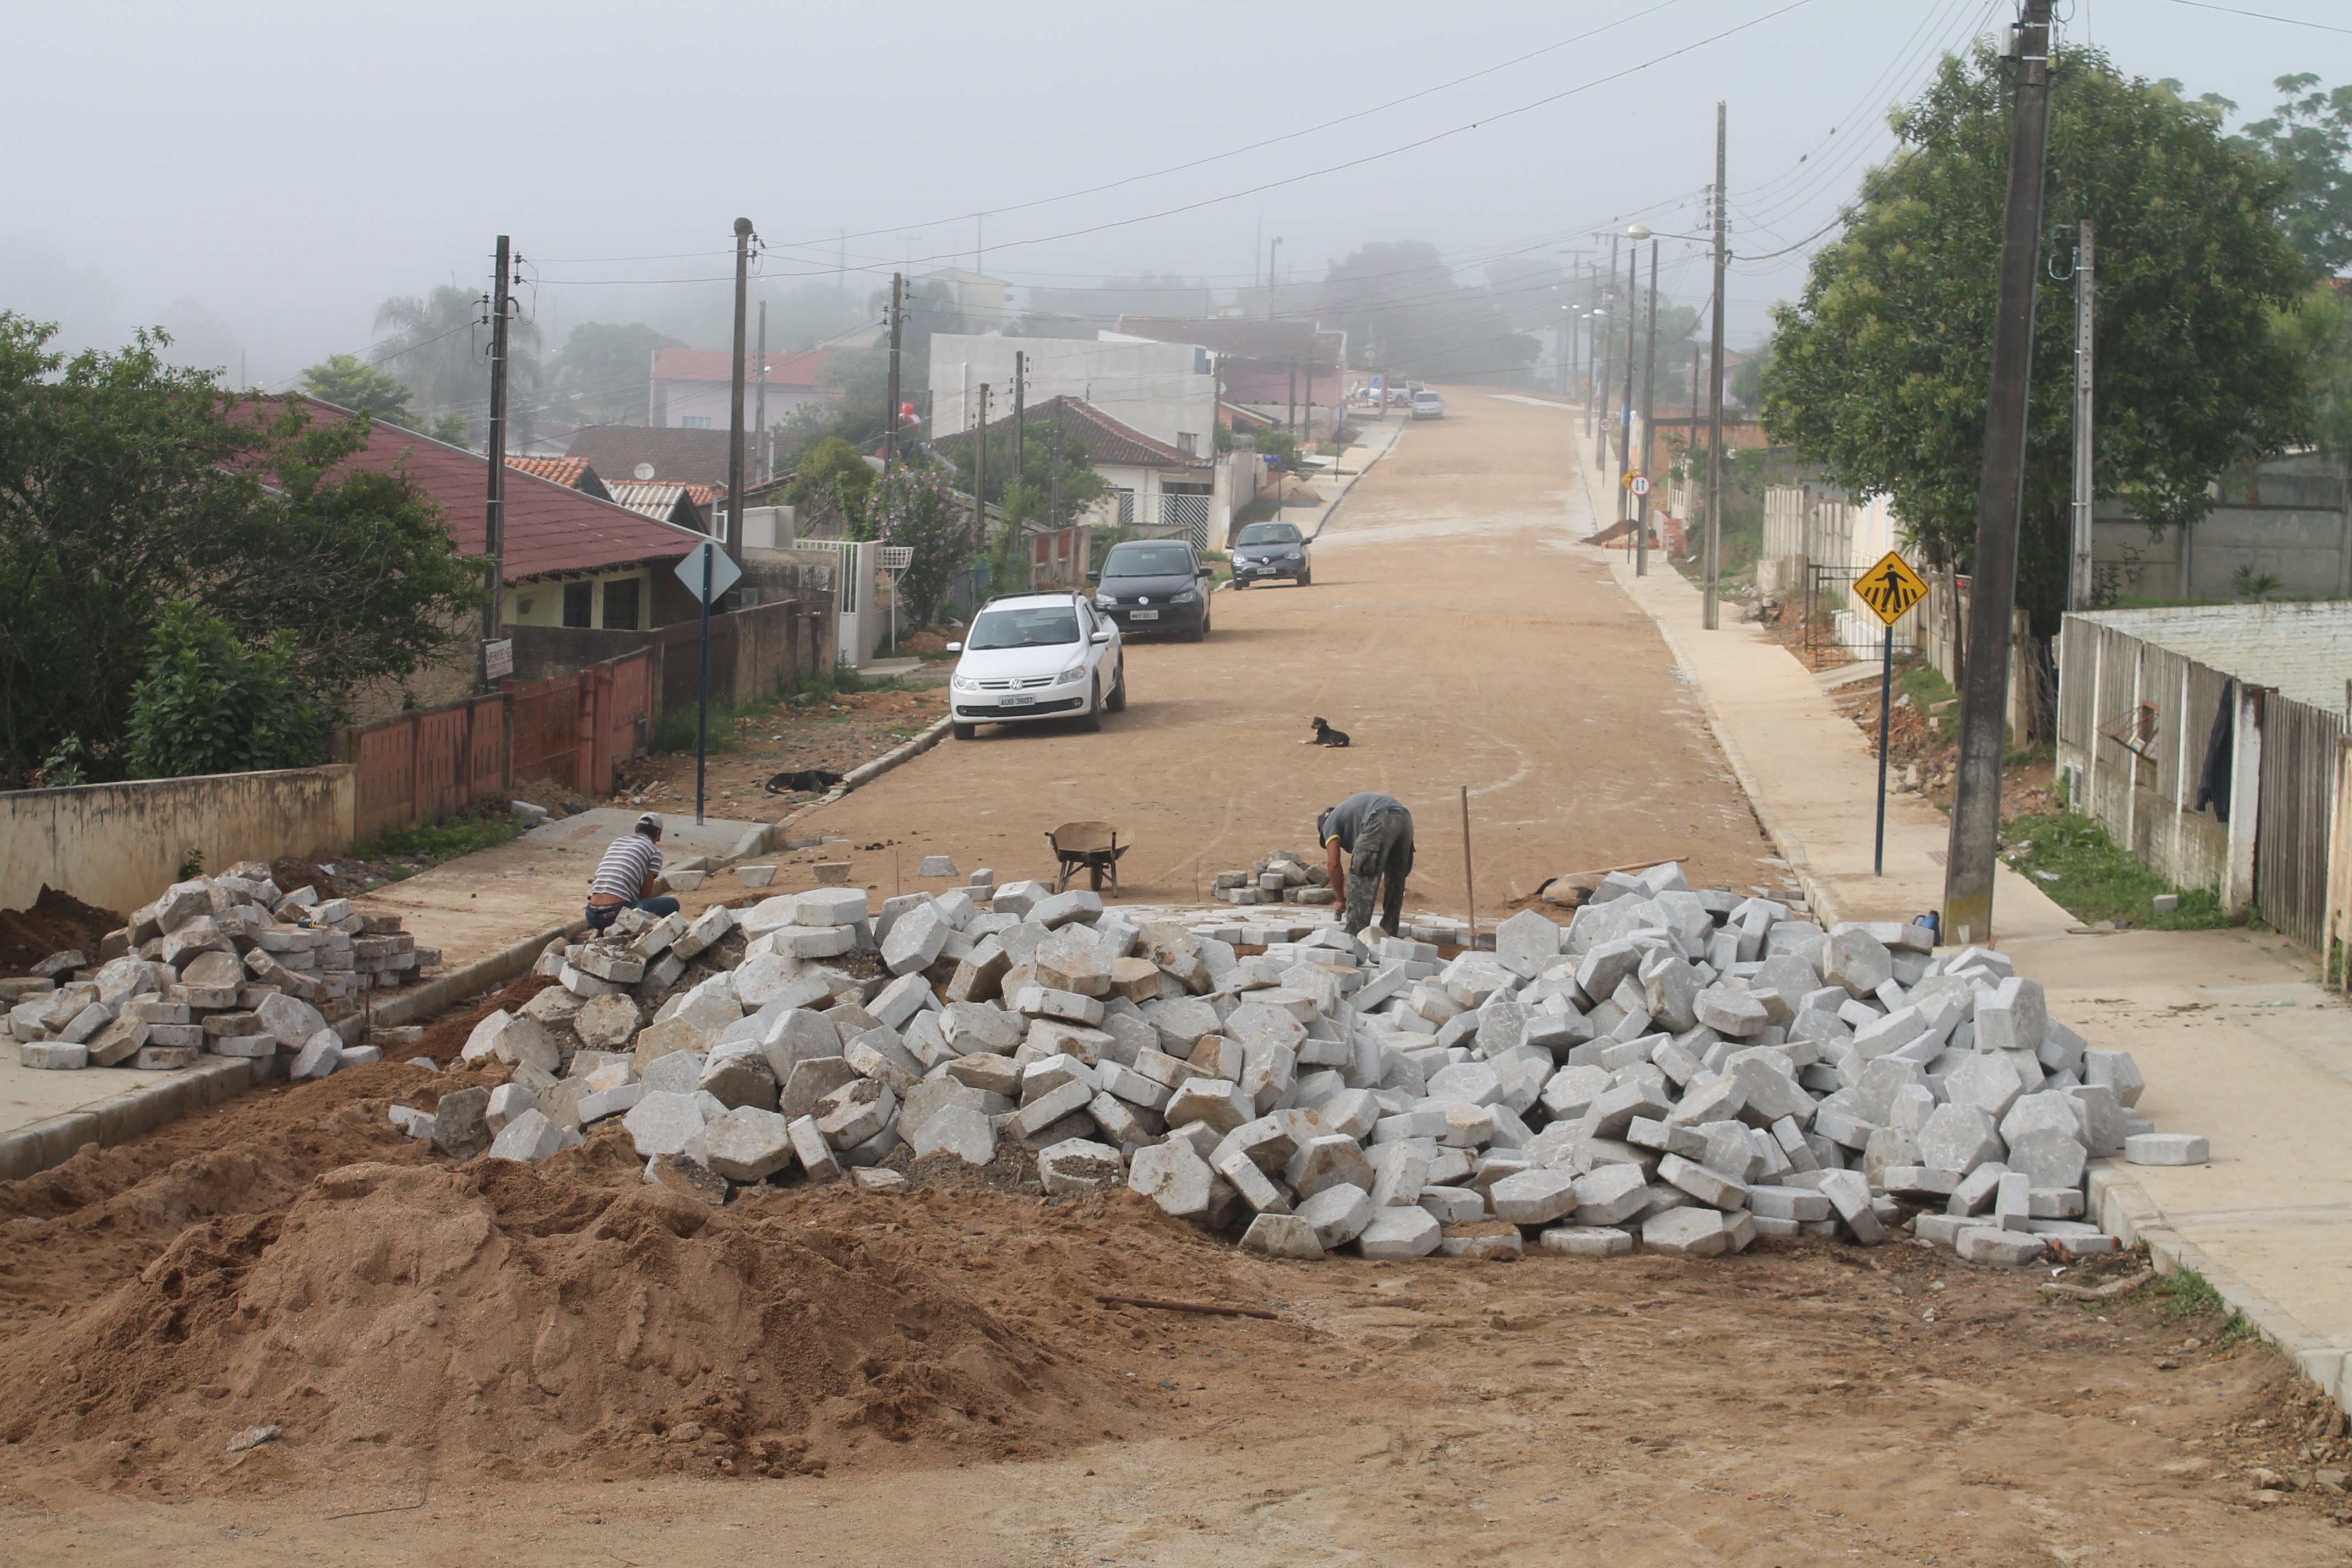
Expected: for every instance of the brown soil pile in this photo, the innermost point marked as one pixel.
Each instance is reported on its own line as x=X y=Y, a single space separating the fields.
x=55 y=921
x=306 y=1266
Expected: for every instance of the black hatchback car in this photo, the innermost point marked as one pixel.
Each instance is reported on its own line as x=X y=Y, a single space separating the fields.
x=1268 y=550
x=1154 y=585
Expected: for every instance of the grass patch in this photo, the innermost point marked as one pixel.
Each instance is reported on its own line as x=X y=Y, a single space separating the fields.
x=442 y=841
x=2093 y=880
x=674 y=729
x=1925 y=687
x=2186 y=1296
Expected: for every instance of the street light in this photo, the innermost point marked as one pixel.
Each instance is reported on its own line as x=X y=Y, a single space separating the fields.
x=1642 y=231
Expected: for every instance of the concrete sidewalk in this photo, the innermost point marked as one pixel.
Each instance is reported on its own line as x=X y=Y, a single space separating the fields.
x=2236 y=1042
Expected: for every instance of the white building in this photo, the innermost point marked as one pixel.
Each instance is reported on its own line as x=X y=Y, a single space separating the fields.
x=1166 y=391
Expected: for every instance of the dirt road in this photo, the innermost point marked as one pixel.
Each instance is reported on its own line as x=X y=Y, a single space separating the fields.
x=1451 y=628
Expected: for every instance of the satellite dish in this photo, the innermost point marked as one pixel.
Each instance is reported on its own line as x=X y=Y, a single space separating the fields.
x=644 y=471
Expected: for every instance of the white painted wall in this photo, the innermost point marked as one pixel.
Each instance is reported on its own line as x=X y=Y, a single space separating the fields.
x=676 y=405
x=1164 y=390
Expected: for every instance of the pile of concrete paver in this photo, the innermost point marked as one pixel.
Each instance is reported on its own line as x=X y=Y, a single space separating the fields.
x=229 y=965
x=1284 y=877
x=1688 y=1071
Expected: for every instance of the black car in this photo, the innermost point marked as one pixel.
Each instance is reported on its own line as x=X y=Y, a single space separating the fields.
x=1154 y=585
x=1268 y=550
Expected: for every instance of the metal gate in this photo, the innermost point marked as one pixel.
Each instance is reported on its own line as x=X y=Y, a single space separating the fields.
x=1185 y=515
x=2301 y=750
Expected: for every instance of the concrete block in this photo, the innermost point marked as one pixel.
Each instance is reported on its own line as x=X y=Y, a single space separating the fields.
x=1398 y=1233
x=1282 y=1236
x=1482 y=1241
x=1855 y=959
x=1610 y=1195
x=1849 y=1194
x=1795 y=1203
x=1450 y=1205
x=321 y=1055
x=1684 y=1232
x=1219 y=1102
x=738 y=1076
x=1709 y=1186
x=1058 y=910
x=459 y=1127
x=531 y=1136
x=1534 y=1196
x=507 y=1101
x=59 y=1054
x=1401 y=1170
x=1174 y=1175
x=828 y=907
x=1988 y=1244
x=2049 y=1157
x=1330 y=1160
x=1586 y=1241
x=2116 y=1071
x=809 y=1147
x=1338 y=1214
x=290 y=1020
x=988 y=1074
x=1959 y=1137
x=2165 y=1148
x=662 y=1122
x=1077 y=1165
x=959 y=1130
x=1730 y=1012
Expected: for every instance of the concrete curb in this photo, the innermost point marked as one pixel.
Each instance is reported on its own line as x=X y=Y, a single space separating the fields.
x=119 y=1117
x=2123 y=1209
x=860 y=776
x=436 y=994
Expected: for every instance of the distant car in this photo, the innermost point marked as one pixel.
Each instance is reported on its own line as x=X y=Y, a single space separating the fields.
x=1036 y=655
x=1154 y=585
x=1268 y=550
x=1427 y=404
x=1400 y=397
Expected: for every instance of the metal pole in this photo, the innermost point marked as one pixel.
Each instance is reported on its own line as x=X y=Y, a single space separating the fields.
x=1020 y=415
x=494 y=511
x=1976 y=803
x=1649 y=437
x=1625 y=404
x=1885 y=698
x=1608 y=329
x=1053 y=506
x=980 y=472
x=2079 y=585
x=761 y=421
x=1469 y=877
x=1712 y=603
x=702 y=688
x=735 y=398
x=890 y=413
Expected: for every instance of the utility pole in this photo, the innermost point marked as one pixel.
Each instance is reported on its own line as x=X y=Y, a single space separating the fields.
x=1649 y=411
x=891 y=413
x=735 y=397
x=1054 y=505
x=1625 y=404
x=2079 y=583
x=1019 y=414
x=760 y=422
x=1711 y=605
x=980 y=473
x=494 y=511
x=1984 y=688
x=1291 y=417
x=1272 y=251
x=1608 y=329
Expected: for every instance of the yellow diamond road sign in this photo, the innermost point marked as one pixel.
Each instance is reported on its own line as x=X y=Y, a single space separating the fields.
x=1890 y=588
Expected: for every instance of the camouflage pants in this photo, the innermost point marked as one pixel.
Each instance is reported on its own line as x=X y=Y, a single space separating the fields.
x=1382 y=860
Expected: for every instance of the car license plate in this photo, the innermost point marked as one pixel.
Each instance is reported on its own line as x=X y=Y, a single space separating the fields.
x=1143 y=615
x=1012 y=700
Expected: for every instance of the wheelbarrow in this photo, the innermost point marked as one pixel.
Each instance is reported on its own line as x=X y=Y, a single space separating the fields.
x=1090 y=847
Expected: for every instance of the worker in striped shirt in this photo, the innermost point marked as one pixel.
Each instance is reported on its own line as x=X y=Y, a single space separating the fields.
x=626 y=875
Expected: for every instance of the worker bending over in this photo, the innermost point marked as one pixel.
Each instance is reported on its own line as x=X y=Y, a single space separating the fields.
x=1374 y=832
x=626 y=875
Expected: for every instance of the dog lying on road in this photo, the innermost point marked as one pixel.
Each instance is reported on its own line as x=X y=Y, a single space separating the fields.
x=812 y=779
x=1327 y=736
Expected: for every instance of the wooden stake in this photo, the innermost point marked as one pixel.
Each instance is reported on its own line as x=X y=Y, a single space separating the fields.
x=1469 y=879
x=1213 y=1308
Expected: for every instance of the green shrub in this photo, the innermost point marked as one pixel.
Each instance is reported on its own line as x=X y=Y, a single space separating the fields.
x=211 y=704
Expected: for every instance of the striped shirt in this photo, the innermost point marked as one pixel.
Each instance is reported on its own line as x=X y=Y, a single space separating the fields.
x=629 y=861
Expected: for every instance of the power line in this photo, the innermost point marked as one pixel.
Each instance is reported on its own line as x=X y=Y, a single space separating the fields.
x=2263 y=15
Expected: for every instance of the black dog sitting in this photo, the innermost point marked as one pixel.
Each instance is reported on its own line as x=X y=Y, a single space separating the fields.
x=813 y=779
x=1327 y=736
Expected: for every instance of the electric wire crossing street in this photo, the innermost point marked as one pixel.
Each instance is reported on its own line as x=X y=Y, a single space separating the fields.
x=1890 y=588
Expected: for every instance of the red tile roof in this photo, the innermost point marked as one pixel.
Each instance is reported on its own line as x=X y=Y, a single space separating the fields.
x=1106 y=439
x=797 y=369
x=565 y=472
x=549 y=528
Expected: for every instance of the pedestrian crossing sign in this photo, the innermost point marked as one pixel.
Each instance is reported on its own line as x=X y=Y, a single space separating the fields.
x=1890 y=588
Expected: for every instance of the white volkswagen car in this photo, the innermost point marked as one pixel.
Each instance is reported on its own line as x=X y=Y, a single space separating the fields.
x=1036 y=655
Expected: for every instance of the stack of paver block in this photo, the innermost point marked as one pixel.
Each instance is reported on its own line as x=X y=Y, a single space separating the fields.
x=1682 y=1071
x=230 y=965
x=1284 y=877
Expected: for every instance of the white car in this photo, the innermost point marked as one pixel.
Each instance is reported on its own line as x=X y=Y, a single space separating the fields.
x=1036 y=655
x=1428 y=404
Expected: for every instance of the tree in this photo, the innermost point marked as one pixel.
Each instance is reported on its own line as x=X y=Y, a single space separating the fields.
x=439 y=344
x=212 y=704
x=916 y=507
x=127 y=485
x=1402 y=304
x=346 y=383
x=1080 y=487
x=833 y=483
x=603 y=374
x=2318 y=332
x=2308 y=139
x=1879 y=371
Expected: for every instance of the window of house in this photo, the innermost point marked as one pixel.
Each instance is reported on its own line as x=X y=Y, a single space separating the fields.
x=694 y=422
x=1188 y=443
x=577 y=600
x=621 y=604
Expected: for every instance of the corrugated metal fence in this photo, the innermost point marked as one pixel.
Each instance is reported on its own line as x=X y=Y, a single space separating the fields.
x=568 y=730
x=2301 y=750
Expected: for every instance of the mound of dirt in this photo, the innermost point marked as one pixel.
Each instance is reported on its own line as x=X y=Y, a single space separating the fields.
x=401 y=1317
x=57 y=921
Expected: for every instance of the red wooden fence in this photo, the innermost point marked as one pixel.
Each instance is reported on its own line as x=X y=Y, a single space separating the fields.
x=569 y=731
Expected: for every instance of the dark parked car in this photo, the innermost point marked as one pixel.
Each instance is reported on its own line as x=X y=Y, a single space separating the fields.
x=1154 y=585
x=1269 y=550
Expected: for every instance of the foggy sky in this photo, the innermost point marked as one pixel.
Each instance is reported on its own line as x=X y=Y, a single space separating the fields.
x=259 y=177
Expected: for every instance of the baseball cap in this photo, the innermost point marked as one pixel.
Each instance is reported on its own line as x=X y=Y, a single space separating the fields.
x=651 y=819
